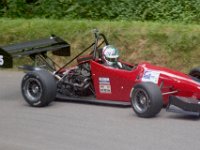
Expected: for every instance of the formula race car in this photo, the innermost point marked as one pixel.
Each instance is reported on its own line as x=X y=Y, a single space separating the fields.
x=144 y=87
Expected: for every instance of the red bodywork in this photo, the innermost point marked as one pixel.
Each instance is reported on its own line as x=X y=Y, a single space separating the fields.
x=117 y=84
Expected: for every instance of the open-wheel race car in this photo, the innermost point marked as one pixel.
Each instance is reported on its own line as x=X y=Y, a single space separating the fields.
x=144 y=87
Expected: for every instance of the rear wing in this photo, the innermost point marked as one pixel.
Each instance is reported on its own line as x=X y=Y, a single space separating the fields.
x=32 y=48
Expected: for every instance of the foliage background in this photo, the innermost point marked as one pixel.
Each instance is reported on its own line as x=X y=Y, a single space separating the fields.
x=186 y=11
x=163 y=32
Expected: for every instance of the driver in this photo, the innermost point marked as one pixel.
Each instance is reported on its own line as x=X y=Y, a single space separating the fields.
x=110 y=56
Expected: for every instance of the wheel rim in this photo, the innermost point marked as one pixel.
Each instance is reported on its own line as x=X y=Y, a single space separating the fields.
x=140 y=100
x=33 y=89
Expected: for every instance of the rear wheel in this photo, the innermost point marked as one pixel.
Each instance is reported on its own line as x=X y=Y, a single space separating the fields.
x=146 y=99
x=38 y=88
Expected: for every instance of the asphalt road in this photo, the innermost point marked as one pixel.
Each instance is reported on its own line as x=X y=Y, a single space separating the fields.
x=73 y=126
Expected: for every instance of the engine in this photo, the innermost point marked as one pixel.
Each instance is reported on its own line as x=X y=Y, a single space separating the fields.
x=77 y=81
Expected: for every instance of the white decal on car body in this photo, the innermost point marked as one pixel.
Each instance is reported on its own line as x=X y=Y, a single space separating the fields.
x=104 y=85
x=151 y=76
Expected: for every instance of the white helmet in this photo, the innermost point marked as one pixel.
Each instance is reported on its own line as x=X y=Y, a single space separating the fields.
x=110 y=55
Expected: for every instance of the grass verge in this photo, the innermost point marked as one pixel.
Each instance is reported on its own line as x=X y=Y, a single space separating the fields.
x=171 y=45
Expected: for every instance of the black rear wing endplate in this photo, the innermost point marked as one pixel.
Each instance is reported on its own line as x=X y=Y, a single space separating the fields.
x=31 y=48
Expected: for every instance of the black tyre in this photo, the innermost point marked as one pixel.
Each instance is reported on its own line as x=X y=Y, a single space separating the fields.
x=146 y=99
x=38 y=88
x=195 y=72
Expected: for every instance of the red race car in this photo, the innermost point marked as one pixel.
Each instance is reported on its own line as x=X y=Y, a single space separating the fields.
x=100 y=77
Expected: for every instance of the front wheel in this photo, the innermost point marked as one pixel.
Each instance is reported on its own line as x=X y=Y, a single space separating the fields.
x=195 y=72
x=38 y=88
x=146 y=99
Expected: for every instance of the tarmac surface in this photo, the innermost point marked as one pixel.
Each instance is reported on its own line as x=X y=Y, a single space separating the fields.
x=75 y=126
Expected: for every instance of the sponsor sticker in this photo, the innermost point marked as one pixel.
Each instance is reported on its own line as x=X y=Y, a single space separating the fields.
x=151 y=76
x=104 y=85
x=1 y=60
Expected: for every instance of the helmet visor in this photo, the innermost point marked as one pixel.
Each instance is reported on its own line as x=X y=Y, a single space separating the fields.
x=112 y=59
